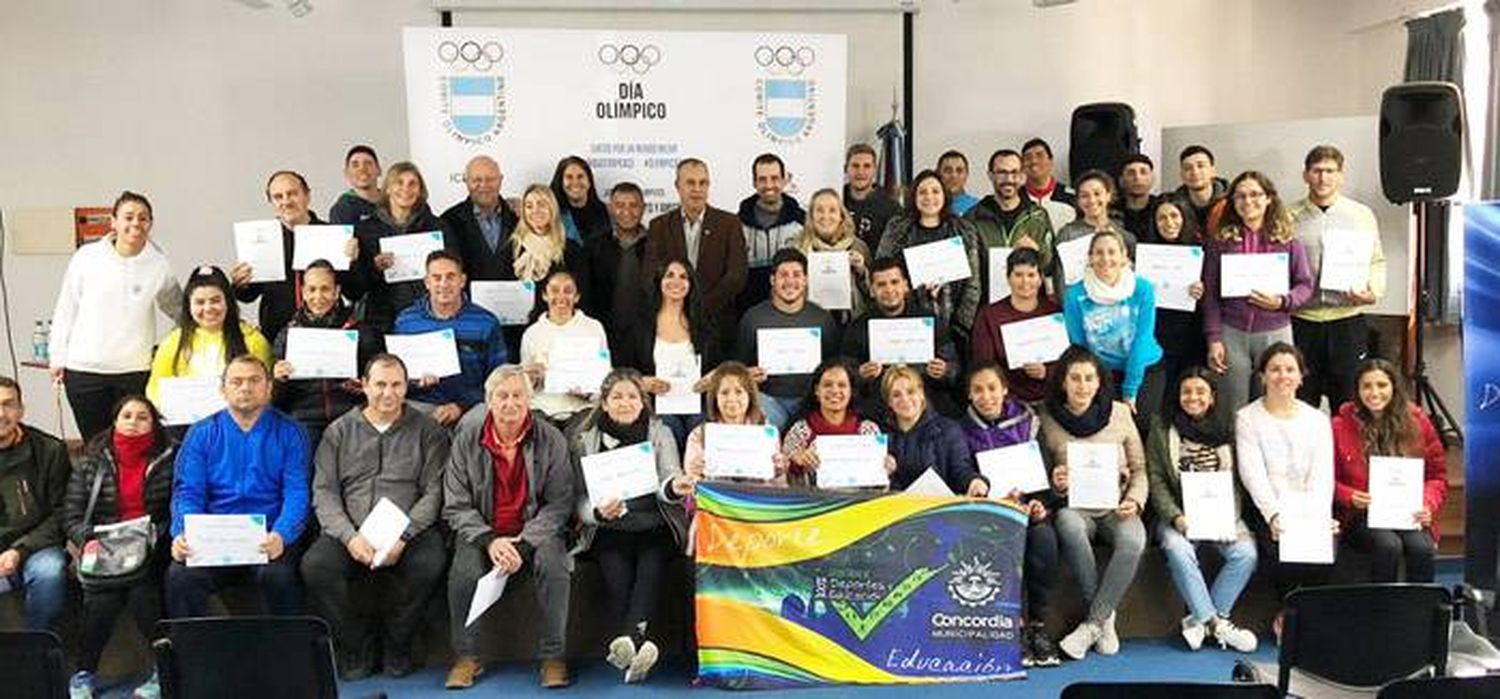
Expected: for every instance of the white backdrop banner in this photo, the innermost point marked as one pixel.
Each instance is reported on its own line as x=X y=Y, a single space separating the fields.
x=631 y=103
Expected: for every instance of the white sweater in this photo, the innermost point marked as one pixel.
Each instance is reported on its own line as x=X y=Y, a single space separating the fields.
x=1281 y=459
x=536 y=347
x=105 y=318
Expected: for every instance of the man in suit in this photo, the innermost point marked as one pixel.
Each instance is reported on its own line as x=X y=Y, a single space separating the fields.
x=709 y=238
x=482 y=222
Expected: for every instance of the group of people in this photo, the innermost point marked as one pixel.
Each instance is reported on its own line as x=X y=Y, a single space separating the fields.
x=487 y=466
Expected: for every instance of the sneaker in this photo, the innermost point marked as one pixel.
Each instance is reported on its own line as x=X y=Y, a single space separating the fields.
x=397 y=666
x=1028 y=645
x=463 y=673
x=81 y=686
x=1231 y=636
x=1043 y=650
x=150 y=689
x=641 y=666
x=1076 y=644
x=555 y=674
x=1193 y=632
x=621 y=652
x=1109 y=641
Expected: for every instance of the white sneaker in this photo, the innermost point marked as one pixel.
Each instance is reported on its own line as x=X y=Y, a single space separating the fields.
x=1231 y=636
x=645 y=659
x=1109 y=641
x=1076 y=644
x=1193 y=632
x=621 y=652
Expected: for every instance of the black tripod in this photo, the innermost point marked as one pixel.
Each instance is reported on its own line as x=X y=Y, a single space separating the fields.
x=1426 y=395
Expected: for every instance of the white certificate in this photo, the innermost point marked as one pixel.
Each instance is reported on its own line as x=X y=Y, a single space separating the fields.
x=1266 y=272
x=323 y=242
x=829 y=282
x=487 y=591
x=902 y=340
x=680 y=398
x=1306 y=523
x=999 y=281
x=740 y=451
x=188 y=399
x=1012 y=468
x=319 y=353
x=623 y=473
x=1395 y=492
x=851 y=461
x=259 y=244
x=511 y=302
x=225 y=540
x=789 y=350
x=938 y=262
x=1171 y=269
x=1040 y=340
x=1208 y=503
x=576 y=366
x=1346 y=260
x=426 y=354
x=929 y=484
x=1074 y=257
x=411 y=252
x=1093 y=476
x=383 y=527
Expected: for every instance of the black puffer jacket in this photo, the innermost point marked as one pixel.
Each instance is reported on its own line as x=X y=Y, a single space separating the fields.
x=101 y=455
x=317 y=402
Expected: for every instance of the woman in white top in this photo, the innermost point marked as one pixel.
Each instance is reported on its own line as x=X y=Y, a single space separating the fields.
x=104 y=323
x=1285 y=452
x=564 y=332
x=830 y=228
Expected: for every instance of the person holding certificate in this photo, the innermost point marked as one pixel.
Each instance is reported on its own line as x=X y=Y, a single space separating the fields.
x=403 y=211
x=828 y=410
x=208 y=334
x=636 y=537
x=1096 y=194
x=921 y=439
x=894 y=301
x=384 y=451
x=788 y=308
x=929 y=219
x=564 y=326
x=476 y=334
x=249 y=459
x=1027 y=300
x=1285 y=452
x=996 y=420
x=1382 y=421
x=1113 y=313
x=1240 y=329
x=732 y=400
x=1081 y=412
x=830 y=228
x=508 y=495
x=1197 y=438
x=1180 y=333
x=132 y=462
x=1006 y=219
x=673 y=336
x=583 y=215
x=536 y=247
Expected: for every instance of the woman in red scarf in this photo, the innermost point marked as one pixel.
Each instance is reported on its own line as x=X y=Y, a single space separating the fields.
x=828 y=412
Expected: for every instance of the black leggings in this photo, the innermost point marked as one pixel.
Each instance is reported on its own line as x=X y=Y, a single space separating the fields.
x=634 y=565
x=101 y=608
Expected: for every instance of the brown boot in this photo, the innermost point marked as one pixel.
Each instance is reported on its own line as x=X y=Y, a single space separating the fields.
x=555 y=673
x=463 y=673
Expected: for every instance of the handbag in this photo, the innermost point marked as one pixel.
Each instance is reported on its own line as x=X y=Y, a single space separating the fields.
x=115 y=555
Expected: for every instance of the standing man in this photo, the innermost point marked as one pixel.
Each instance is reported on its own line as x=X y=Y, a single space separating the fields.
x=709 y=238
x=476 y=332
x=1041 y=185
x=617 y=279
x=34 y=472
x=770 y=220
x=362 y=172
x=893 y=299
x=482 y=223
x=1007 y=219
x=953 y=170
x=871 y=207
x=1202 y=191
x=1137 y=205
x=788 y=307
x=1330 y=329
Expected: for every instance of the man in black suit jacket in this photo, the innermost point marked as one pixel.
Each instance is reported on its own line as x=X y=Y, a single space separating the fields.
x=482 y=223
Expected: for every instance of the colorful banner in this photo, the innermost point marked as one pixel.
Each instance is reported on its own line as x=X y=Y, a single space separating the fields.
x=1481 y=319
x=808 y=588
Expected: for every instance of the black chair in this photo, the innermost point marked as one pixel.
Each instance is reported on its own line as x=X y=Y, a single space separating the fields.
x=232 y=657
x=1364 y=635
x=1483 y=687
x=31 y=665
x=1168 y=690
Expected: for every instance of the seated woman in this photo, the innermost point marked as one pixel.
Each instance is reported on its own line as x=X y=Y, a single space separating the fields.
x=563 y=326
x=634 y=540
x=1198 y=437
x=921 y=439
x=1080 y=411
x=129 y=466
x=671 y=341
x=1113 y=313
x=828 y=412
x=1028 y=299
x=995 y=420
x=830 y=228
x=732 y=400
x=208 y=334
x=1383 y=421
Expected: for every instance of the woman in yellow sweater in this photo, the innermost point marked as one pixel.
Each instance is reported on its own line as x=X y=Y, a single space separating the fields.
x=209 y=333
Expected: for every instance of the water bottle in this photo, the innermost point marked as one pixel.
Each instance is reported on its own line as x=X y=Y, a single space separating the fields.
x=39 y=342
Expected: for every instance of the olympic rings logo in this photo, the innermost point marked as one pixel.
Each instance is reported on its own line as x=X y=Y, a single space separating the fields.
x=470 y=54
x=623 y=57
x=785 y=59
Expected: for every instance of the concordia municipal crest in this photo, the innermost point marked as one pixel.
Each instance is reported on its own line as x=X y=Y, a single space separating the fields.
x=974 y=584
x=473 y=90
x=786 y=103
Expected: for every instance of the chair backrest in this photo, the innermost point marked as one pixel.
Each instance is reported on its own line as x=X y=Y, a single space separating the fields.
x=1484 y=687
x=231 y=657
x=1168 y=690
x=31 y=665
x=1364 y=635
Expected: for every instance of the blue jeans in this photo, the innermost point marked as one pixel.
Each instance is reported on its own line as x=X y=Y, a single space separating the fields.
x=779 y=411
x=43 y=580
x=1182 y=560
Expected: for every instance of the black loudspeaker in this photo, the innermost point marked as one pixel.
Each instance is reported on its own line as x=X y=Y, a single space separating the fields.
x=1102 y=135
x=1421 y=141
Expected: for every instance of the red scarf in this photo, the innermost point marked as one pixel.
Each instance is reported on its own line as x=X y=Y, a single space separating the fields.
x=510 y=477
x=821 y=426
x=131 y=460
x=1044 y=192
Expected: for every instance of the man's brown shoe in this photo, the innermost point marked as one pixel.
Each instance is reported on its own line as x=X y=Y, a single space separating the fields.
x=464 y=671
x=555 y=674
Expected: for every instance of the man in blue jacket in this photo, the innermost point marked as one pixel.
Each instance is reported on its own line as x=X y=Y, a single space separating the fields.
x=246 y=459
x=476 y=332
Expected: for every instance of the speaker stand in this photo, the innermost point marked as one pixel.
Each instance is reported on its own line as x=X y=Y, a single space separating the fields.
x=1424 y=393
